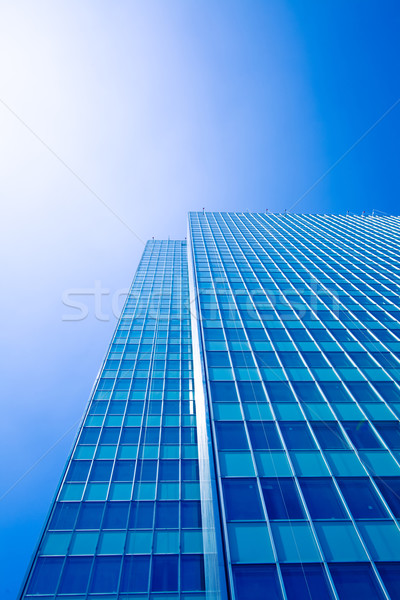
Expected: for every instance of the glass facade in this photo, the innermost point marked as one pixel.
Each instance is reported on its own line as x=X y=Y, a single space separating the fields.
x=243 y=438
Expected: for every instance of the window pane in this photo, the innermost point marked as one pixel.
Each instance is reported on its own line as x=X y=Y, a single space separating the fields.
x=355 y=581
x=242 y=500
x=116 y=515
x=192 y=573
x=167 y=514
x=106 y=574
x=361 y=434
x=335 y=392
x=282 y=499
x=101 y=470
x=329 y=435
x=190 y=514
x=231 y=436
x=297 y=436
x=322 y=499
x=75 y=576
x=362 y=499
x=264 y=436
x=280 y=392
x=223 y=391
x=135 y=574
x=390 y=490
x=306 y=582
x=390 y=433
x=45 y=576
x=253 y=581
x=78 y=470
x=64 y=515
x=165 y=573
x=141 y=515
x=251 y=392
x=390 y=573
x=90 y=515
x=307 y=391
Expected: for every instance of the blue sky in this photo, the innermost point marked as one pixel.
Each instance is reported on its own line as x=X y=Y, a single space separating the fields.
x=159 y=108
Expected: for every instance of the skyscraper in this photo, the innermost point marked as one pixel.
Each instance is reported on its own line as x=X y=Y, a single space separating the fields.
x=243 y=438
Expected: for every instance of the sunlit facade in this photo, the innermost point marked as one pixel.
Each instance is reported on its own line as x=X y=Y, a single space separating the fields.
x=243 y=438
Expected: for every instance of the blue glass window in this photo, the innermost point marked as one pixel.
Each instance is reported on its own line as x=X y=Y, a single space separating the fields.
x=264 y=436
x=190 y=514
x=109 y=435
x=64 y=515
x=134 y=408
x=390 y=490
x=75 y=577
x=223 y=391
x=170 y=435
x=335 y=392
x=116 y=515
x=78 y=470
x=231 y=435
x=192 y=572
x=267 y=359
x=146 y=470
x=135 y=574
x=190 y=470
x=188 y=434
x=130 y=435
x=242 y=500
x=242 y=359
x=218 y=359
x=282 y=499
x=389 y=391
x=297 y=436
x=101 y=470
x=355 y=581
x=90 y=515
x=141 y=515
x=329 y=435
x=315 y=359
x=362 y=435
x=322 y=498
x=251 y=391
x=253 y=581
x=390 y=573
x=106 y=574
x=307 y=391
x=45 y=576
x=390 y=432
x=152 y=436
x=362 y=391
x=169 y=470
x=362 y=499
x=306 y=582
x=291 y=359
x=167 y=514
x=124 y=470
x=279 y=392
x=164 y=573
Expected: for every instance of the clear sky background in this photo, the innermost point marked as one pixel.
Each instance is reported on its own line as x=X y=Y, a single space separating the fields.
x=159 y=107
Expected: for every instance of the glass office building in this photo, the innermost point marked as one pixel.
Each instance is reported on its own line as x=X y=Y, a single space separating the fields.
x=243 y=437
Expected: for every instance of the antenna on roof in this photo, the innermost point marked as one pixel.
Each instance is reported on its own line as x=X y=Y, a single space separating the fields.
x=203 y=210
x=152 y=237
x=285 y=211
x=266 y=210
x=347 y=213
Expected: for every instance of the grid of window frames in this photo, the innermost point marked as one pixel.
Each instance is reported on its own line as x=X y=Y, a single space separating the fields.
x=127 y=522
x=300 y=325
